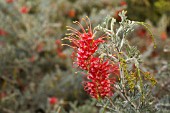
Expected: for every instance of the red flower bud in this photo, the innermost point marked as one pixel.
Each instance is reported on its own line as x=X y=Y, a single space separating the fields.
x=163 y=36
x=141 y=32
x=53 y=100
x=123 y=3
x=24 y=10
x=72 y=13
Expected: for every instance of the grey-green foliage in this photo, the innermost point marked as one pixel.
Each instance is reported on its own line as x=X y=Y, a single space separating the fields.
x=164 y=104
x=118 y=35
x=88 y=107
x=132 y=91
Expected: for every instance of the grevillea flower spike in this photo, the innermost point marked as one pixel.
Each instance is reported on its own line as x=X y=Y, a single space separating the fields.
x=84 y=43
x=99 y=84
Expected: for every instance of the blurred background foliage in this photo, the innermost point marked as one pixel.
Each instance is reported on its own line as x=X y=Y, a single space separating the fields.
x=35 y=67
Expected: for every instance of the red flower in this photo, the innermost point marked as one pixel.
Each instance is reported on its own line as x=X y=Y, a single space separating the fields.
x=85 y=45
x=9 y=1
x=163 y=36
x=24 y=9
x=53 y=100
x=123 y=3
x=2 y=32
x=99 y=84
x=116 y=15
x=141 y=32
x=58 y=42
x=72 y=13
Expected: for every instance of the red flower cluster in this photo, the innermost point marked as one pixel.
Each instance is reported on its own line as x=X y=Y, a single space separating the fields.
x=99 y=83
x=85 y=45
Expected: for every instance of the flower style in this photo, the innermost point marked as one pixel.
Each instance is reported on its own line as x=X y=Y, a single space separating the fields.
x=100 y=83
x=85 y=44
